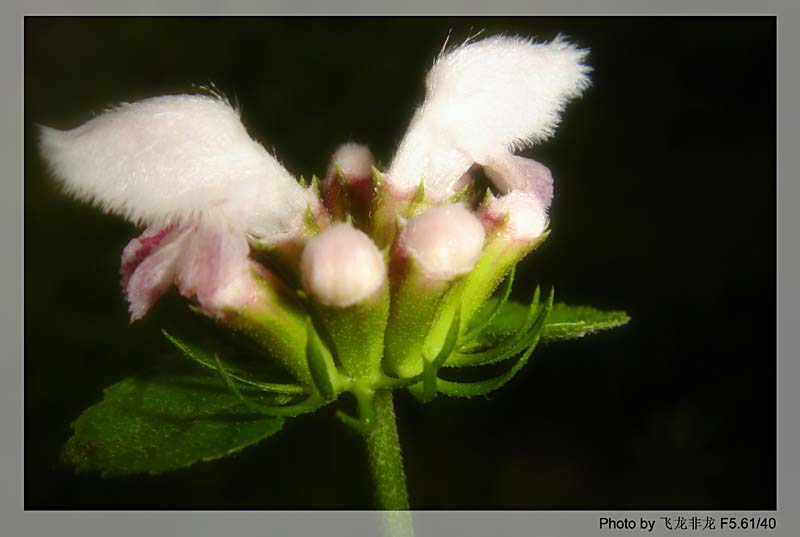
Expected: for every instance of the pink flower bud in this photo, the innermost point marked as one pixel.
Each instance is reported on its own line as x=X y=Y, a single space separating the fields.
x=355 y=161
x=351 y=193
x=341 y=266
x=444 y=241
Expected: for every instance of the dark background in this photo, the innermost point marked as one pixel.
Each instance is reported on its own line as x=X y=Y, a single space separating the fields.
x=665 y=207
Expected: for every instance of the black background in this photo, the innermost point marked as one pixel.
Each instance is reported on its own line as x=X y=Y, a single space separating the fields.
x=664 y=206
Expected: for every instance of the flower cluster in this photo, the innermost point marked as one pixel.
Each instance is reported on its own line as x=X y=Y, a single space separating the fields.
x=388 y=266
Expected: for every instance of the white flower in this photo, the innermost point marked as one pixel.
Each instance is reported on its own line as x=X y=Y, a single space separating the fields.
x=185 y=166
x=483 y=101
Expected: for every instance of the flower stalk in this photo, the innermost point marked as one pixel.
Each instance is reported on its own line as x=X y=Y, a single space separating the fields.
x=386 y=466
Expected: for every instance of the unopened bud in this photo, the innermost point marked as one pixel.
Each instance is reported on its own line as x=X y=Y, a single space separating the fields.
x=345 y=273
x=354 y=160
x=515 y=225
x=444 y=241
x=341 y=266
x=433 y=250
x=348 y=186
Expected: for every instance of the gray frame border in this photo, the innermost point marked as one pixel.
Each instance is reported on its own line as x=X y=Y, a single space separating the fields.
x=16 y=521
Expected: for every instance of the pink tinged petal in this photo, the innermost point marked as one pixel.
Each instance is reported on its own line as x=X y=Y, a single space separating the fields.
x=139 y=248
x=539 y=179
x=517 y=216
x=216 y=270
x=150 y=264
x=510 y=172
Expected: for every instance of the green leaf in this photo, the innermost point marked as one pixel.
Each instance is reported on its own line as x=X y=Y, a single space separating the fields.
x=565 y=322
x=572 y=322
x=164 y=420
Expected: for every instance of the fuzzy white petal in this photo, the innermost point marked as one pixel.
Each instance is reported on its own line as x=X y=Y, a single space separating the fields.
x=175 y=158
x=484 y=100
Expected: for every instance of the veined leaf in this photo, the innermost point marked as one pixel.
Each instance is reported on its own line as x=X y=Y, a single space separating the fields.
x=164 y=420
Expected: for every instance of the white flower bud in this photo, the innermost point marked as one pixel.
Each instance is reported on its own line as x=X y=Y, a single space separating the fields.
x=341 y=266
x=484 y=100
x=445 y=241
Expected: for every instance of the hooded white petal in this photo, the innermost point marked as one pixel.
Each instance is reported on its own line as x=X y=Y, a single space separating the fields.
x=175 y=158
x=483 y=100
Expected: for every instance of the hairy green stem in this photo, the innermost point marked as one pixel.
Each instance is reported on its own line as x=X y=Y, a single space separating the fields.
x=386 y=464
